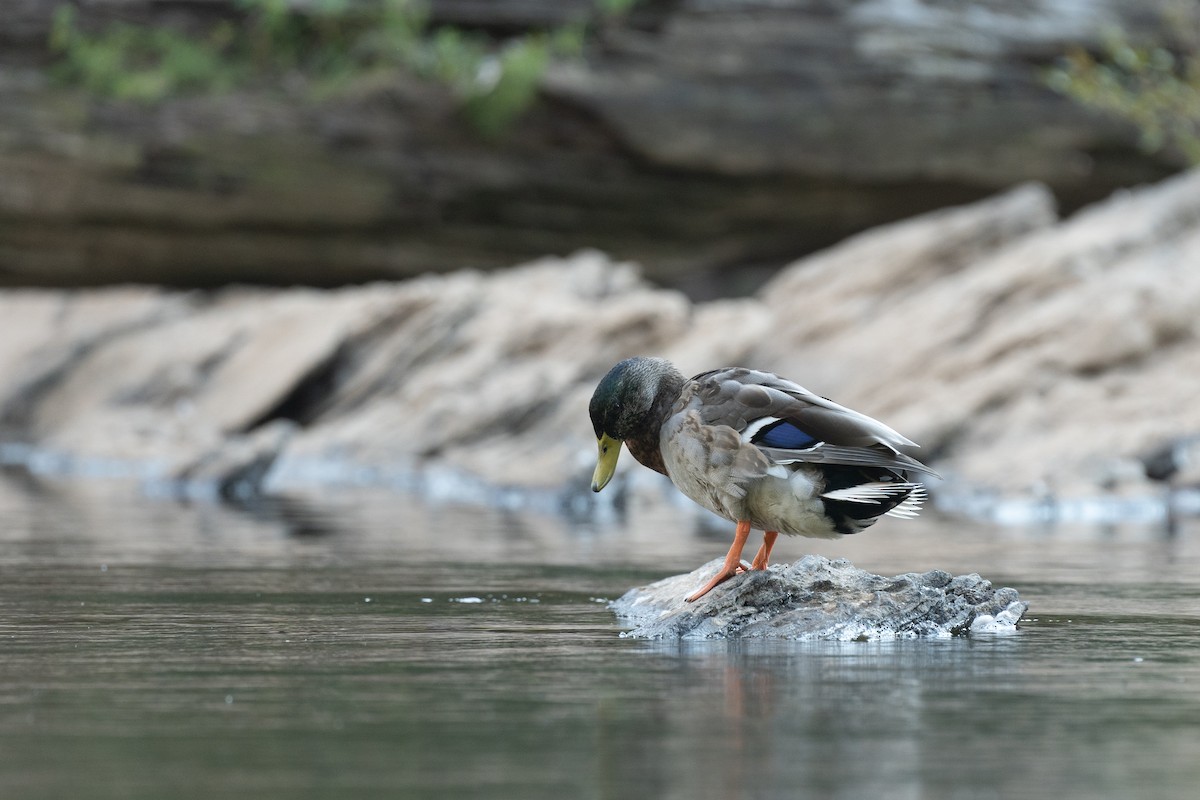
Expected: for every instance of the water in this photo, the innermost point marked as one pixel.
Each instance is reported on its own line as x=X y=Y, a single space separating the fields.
x=305 y=650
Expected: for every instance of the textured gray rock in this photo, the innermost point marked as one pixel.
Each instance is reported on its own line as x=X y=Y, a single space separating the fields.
x=692 y=137
x=816 y=598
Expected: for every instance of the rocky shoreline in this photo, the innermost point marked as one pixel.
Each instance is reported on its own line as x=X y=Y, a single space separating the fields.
x=1041 y=361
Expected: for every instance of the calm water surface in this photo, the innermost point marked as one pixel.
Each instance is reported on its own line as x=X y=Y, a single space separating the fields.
x=369 y=645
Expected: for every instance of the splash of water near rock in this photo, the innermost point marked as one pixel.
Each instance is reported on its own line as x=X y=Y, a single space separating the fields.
x=819 y=598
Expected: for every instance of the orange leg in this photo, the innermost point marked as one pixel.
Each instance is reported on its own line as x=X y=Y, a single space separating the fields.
x=764 y=552
x=733 y=560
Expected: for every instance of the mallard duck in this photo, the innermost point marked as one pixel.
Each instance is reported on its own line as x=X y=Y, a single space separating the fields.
x=756 y=449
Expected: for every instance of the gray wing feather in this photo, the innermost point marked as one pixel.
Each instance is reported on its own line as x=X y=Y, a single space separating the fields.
x=737 y=396
x=849 y=456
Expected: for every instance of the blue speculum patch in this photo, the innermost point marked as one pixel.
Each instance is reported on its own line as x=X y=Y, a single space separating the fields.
x=784 y=435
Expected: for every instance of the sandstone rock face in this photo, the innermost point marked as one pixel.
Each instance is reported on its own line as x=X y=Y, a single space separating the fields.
x=1031 y=357
x=693 y=137
x=816 y=598
x=1050 y=363
x=485 y=374
x=159 y=379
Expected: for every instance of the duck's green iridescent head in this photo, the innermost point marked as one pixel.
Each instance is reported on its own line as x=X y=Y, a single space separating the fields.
x=629 y=404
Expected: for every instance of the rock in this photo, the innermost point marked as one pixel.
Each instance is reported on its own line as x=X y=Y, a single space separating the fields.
x=1047 y=364
x=1176 y=460
x=816 y=598
x=692 y=137
x=838 y=303
x=469 y=372
x=1036 y=360
x=47 y=332
x=235 y=470
x=485 y=374
x=161 y=379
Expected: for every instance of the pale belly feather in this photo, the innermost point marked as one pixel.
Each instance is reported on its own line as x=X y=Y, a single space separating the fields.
x=783 y=501
x=788 y=505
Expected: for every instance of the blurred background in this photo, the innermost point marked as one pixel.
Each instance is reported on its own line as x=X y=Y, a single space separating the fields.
x=328 y=142
x=302 y=302
x=788 y=184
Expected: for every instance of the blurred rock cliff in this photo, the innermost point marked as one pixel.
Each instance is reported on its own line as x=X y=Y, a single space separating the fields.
x=1031 y=356
x=710 y=141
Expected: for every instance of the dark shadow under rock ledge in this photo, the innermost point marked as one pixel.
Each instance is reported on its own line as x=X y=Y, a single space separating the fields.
x=816 y=598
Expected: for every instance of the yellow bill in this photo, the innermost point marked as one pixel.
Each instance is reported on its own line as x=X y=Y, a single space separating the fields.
x=606 y=461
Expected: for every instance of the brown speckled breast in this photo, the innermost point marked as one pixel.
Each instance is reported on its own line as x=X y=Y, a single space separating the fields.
x=647 y=453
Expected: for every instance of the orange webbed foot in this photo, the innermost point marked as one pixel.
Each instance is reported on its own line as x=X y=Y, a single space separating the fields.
x=733 y=562
x=717 y=580
x=764 y=553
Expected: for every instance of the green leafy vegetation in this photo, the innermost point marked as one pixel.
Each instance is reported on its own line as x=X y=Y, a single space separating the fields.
x=1154 y=86
x=328 y=44
x=614 y=8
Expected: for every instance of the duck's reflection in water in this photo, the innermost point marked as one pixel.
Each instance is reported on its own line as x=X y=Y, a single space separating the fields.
x=819 y=719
